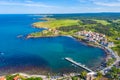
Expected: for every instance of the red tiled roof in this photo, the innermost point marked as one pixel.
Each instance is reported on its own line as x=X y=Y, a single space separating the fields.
x=2 y=78
x=16 y=78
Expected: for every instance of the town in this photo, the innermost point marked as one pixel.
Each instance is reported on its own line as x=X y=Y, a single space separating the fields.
x=95 y=37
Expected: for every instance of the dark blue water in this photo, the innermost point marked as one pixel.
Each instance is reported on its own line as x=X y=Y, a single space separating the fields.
x=41 y=54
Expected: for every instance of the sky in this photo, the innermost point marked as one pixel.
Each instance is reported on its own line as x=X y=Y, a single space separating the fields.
x=58 y=6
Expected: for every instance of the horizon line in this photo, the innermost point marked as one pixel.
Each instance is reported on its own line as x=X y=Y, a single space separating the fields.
x=62 y=13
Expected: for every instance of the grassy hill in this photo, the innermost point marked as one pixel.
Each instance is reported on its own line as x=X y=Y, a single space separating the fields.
x=56 y=23
x=103 y=22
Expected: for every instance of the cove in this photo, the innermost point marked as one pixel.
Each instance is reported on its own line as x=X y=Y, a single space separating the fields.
x=40 y=54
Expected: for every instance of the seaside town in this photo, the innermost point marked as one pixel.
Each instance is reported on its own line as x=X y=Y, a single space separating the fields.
x=59 y=39
x=95 y=37
x=112 y=62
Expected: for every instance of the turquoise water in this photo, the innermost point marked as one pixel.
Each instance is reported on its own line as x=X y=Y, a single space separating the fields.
x=41 y=54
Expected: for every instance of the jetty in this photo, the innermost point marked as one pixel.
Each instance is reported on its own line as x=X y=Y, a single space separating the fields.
x=78 y=64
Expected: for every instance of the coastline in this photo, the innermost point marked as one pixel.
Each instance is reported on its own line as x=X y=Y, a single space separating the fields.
x=107 y=51
x=82 y=41
x=24 y=45
x=44 y=77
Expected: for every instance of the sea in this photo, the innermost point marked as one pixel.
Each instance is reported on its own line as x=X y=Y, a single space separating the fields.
x=40 y=55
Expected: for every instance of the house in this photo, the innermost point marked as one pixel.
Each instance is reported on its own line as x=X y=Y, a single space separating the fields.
x=104 y=43
x=56 y=32
x=17 y=78
x=110 y=44
x=92 y=36
x=118 y=38
x=2 y=78
x=90 y=77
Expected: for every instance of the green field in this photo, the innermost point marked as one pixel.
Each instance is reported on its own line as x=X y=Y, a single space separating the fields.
x=103 y=22
x=56 y=23
x=44 y=33
x=116 y=21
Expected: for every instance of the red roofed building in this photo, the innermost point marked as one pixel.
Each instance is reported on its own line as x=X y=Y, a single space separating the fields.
x=2 y=78
x=17 y=78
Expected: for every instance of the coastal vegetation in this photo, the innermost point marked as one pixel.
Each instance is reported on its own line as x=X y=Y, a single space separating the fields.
x=21 y=77
x=109 y=62
x=83 y=74
x=114 y=73
x=53 y=24
x=75 y=78
x=117 y=48
x=33 y=78
x=103 y=22
x=60 y=27
x=10 y=77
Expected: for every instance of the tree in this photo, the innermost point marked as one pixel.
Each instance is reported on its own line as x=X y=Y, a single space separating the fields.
x=114 y=73
x=48 y=76
x=11 y=77
x=83 y=74
x=109 y=62
x=99 y=74
x=32 y=78
x=74 y=78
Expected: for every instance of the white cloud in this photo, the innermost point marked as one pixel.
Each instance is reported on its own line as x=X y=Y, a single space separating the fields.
x=28 y=3
x=82 y=0
x=30 y=6
x=108 y=4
